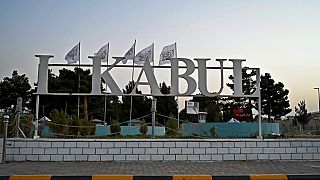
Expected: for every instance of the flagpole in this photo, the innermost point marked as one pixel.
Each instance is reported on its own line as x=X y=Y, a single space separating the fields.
x=79 y=83
x=178 y=117
x=105 y=97
x=153 y=58
x=134 y=52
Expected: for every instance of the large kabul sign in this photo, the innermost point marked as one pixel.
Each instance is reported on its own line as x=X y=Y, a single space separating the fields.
x=148 y=70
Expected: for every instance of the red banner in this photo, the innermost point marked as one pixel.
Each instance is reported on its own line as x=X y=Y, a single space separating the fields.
x=242 y=114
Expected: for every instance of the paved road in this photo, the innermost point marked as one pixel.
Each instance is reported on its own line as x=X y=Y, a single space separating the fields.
x=160 y=168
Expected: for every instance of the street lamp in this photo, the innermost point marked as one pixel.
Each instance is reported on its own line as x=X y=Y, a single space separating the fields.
x=318 y=97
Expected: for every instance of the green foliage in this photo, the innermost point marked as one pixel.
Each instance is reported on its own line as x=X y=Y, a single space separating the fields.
x=13 y=87
x=74 y=121
x=65 y=125
x=26 y=125
x=302 y=115
x=166 y=105
x=210 y=105
x=66 y=82
x=88 y=128
x=143 y=127
x=248 y=87
x=171 y=126
x=274 y=97
x=316 y=132
x=227 y=113
x=115 y=127
x=141 y=104
x=248 y=83
x=213 y=132
x=81 y=127
x=93 y=106
x=61 y=121
x=214 y=113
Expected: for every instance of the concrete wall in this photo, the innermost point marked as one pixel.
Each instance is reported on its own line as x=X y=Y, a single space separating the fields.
x=129 y=130
x=162 y=149
x=229 y=130
x=101 y=130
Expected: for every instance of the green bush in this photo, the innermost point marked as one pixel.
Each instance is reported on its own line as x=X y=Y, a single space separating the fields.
x=26 y=125
x=115 y=127
x=61 y=121
x=86 y=128
x=171 y=126
x=74 y=123
x=143 y=127
x=63 y=124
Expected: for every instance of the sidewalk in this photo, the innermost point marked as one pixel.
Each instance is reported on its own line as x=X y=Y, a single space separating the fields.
x=140 y=168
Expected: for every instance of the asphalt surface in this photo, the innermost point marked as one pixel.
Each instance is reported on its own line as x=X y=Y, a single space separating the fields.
x=160 y=168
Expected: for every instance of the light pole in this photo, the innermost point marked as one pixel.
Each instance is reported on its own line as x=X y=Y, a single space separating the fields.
x=318 y=97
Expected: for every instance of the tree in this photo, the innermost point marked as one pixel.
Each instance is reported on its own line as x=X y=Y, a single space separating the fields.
x=228 y=105
x=274 y=98
x=67 y=82
x=302 y=115
x=248 y=83
x=166 y=105
x=210 y=105
x=248 y=87
x=141 y=105
x=13 y=87
x=60 y=120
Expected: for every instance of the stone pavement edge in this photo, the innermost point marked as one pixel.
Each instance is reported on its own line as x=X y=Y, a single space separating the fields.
x=161 y=170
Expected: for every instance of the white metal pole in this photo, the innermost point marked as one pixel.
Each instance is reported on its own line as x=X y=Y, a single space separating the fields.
x=105 y=110
x=134 y=52
x=130 y=112
x=5 y=134
x=259 y=120
x=36 y=126
x=178 y=117
x=259 y=103
x=18 y=122
x=105 y=97
x=79 y=84
x=153 y=112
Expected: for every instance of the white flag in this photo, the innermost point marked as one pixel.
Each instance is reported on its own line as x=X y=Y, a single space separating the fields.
x=130 y=54
x=144 y=55
x=73 y=55
x=104 y=53
x=168 y=52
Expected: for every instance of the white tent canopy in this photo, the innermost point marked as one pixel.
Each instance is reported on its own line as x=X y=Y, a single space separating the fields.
x=45 y=118
x=233 y=120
